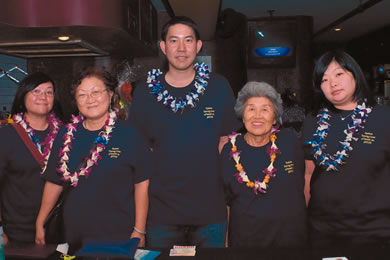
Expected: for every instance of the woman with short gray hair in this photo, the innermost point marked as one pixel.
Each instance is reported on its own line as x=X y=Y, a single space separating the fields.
x=263 y=171
x=259 y=89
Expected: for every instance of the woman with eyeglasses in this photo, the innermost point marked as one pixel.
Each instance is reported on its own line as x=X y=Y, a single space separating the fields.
x=105 y=162
x=24 y=151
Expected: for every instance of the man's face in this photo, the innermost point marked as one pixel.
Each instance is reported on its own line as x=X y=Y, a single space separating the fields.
x=180 y=47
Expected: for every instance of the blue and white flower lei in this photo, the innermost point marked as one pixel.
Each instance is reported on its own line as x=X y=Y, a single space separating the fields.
x=173 y=103
x=356 y=123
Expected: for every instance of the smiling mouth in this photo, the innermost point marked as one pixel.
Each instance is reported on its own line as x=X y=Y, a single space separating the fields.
x=181 y=57
x=257 y=123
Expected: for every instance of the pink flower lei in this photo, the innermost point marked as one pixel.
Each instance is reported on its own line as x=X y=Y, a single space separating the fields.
x=241 y=176
x=54 y=126
x=101 y=142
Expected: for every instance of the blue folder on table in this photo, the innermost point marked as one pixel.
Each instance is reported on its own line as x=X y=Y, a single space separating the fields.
x=109 y=248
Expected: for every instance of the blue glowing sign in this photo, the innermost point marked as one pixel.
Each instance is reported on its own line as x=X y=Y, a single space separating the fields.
x=272 y=51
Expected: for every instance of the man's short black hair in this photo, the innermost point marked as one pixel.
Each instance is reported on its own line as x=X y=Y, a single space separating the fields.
x=180 y=20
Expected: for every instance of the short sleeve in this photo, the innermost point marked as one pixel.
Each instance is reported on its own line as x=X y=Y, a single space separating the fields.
x=308 y=131
x=51 y=173
x=230 y=122
x=226 y=166
x=138 y=115
x=145 y=162
x=3 y=152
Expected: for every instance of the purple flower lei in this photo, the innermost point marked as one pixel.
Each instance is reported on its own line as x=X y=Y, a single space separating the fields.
x=54 y=126
x=356 y=123
x=242 y=177
x=173 y=103
x=101 y=141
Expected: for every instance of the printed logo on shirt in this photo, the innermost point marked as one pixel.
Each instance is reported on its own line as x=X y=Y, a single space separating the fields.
x=368 y=138
x=289 y=166
x=209 y=112
x=114 y=152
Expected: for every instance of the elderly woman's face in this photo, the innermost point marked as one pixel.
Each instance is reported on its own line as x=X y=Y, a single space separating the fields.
x=258 y=116
x=93 y=98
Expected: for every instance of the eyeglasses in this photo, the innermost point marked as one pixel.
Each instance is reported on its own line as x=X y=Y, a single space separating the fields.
x=38 y=92
x=94 y=94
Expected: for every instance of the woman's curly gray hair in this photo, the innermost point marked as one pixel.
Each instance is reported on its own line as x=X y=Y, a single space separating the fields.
x=259 y=89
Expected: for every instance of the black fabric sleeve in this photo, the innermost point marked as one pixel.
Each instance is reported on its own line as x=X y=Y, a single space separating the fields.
x=137 y=115
x=309 y=127
x=51 y=173
x=226 y=165
x=3 y=151
x=230 y=122
x=144 y=164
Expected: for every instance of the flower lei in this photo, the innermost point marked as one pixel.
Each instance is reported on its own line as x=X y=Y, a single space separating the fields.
x=174 y=103
x=101 y=141
x=54 y=126
x=241 y=176
x=356 y=122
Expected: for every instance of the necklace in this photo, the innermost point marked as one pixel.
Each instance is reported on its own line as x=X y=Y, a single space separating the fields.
x=241 y=175
x=101 y=142
x=173 y=103
x=54 y=126
x=332 y=162
x=343 y=118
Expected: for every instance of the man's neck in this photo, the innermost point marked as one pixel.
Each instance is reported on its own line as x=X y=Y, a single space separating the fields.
x=180 y=78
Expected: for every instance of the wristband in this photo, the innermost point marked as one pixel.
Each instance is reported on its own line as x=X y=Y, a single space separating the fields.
x=139 y=231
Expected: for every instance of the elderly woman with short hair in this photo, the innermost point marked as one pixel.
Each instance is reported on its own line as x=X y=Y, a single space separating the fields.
x=263 y=171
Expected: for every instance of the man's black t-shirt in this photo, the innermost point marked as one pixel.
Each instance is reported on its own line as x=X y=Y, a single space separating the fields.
x=186 y=187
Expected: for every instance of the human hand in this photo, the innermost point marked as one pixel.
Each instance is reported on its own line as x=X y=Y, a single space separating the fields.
x=5 y=238
x=140 y=236
x=222 y=141
x=40 y=235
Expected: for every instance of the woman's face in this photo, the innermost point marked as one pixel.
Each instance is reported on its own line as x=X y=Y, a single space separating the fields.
x=92 y=98
x=338 y=86
x=258 y=116
x=39 y=101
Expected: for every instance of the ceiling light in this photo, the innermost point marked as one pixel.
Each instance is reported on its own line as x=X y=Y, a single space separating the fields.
x=337 y=29
x=63 y=38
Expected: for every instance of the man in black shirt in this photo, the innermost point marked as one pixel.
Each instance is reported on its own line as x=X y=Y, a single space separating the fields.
x=183 y=113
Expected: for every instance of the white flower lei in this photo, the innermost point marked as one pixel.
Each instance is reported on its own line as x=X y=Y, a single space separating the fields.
x=101 y=142
x=173 y=103
x=241 y=176
x=54 y=126
x=358 y=118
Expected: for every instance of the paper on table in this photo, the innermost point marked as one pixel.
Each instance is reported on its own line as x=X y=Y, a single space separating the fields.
x=63 y=248
x=183 y=251
x=142 y=254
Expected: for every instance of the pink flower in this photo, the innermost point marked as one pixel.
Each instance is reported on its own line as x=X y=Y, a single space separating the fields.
x=238 y=177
